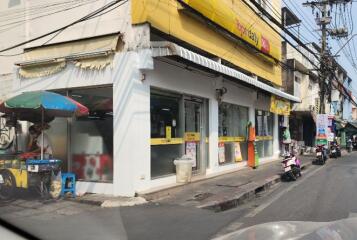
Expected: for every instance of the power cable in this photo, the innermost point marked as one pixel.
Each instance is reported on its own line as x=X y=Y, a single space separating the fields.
x=273 y=20
x=19 y=23
x=27 y=9
x=313 y=34
x=85 y=18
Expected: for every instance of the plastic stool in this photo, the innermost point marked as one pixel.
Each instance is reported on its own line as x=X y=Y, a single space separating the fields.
x=71 y=178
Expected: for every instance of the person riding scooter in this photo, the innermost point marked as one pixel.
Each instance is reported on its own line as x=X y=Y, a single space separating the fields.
x=349 y=145
x=335 y=150
x=321 y=154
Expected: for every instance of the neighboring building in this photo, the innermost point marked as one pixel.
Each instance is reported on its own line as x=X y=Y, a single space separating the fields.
x=347 y=103
x=354 y=113
x=161 y=79
x=301 y=80
x=338 y=95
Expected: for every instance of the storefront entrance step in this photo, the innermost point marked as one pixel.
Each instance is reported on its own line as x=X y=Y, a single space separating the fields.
x=108 y=201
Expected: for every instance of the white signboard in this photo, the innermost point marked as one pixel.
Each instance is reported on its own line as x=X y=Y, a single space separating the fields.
x=322 y=129
x=221 y=155
x=191 y=152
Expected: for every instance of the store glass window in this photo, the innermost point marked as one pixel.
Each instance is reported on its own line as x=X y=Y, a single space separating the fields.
x=166 y=132
x=92 y=136
x=233 y=120
x=58 y=137
x=264 y=133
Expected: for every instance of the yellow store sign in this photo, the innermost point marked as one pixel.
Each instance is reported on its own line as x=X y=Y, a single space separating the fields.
x=234 y=22
x=279 y=106
x=192 y=136
x=178 y=18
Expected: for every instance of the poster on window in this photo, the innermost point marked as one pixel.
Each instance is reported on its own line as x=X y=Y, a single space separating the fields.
x=221 y=155
x=265 y=128
x=191 y=152
x=237 y=152
x=93 y=167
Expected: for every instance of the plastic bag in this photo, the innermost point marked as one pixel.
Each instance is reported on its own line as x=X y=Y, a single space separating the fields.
x=55 y=185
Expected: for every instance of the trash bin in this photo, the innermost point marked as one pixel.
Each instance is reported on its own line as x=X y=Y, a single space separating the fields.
x=183 y=169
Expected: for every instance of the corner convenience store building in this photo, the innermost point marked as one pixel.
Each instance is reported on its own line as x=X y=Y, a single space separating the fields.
x=166 y=84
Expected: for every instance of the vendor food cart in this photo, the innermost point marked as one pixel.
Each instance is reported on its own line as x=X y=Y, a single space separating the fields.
x=31 y=170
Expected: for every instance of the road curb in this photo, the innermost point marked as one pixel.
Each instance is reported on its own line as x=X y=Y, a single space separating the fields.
x=219 y=205
x=110 y=202
x=85 y=201
x=235 y=200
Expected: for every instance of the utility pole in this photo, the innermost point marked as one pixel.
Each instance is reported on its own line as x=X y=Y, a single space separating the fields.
x=323 y=19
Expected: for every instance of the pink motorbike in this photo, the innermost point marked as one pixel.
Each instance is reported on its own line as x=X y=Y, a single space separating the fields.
x=292 y=167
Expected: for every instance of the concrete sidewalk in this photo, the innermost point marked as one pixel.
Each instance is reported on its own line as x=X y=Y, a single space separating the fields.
x=226 y=191
x=218 y=193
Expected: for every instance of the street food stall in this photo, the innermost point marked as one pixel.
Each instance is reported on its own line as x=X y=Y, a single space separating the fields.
x=22 y=169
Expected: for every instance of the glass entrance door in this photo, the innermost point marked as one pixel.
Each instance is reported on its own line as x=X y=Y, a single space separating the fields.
x=195 y=133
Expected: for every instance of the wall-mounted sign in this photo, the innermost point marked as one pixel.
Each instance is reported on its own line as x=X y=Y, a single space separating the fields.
x=192 y=136
x=191 y=151
x=221 y=153
x=232 y=139
x=263 y=138
x=279 y=106
x=226 y=17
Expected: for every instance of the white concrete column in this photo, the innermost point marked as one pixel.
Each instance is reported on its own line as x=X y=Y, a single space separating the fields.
x=131 y=105
x=213 y=134
x=276 y=136
x=251 y=115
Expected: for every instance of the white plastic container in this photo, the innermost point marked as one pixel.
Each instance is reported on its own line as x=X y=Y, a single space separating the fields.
x=183 y=169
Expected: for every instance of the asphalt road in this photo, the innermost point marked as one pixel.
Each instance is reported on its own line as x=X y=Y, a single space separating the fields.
x=322 y=194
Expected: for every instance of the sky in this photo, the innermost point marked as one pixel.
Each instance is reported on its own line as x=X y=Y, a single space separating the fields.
x=308 y=33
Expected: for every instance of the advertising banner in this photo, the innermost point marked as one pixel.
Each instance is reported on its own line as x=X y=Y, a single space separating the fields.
x=322 y=128
x=221 y=153
x=191 y=151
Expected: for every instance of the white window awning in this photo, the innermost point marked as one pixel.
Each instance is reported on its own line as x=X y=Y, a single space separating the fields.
x=163 y=48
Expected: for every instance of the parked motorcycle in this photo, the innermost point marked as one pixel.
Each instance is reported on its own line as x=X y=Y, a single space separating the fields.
x=292 y=167
x=335 y=150
x=349 y=145
x=321 y=155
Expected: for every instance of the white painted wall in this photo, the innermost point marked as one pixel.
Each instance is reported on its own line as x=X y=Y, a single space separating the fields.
x=9 y=34
x=36 y=24
x=131 y=127
x=292 y=53
x=6 y=86
x=131 y=104
x=173 y=78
